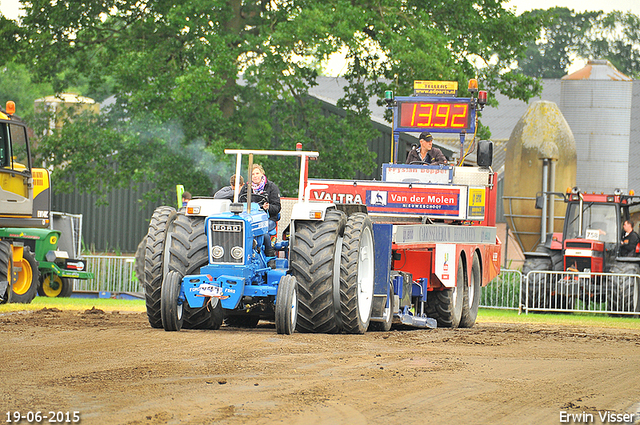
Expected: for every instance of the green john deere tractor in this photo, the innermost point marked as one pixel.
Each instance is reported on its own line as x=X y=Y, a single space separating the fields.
x=30 y=262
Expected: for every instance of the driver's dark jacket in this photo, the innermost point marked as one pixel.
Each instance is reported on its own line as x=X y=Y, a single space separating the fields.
x=628 y=246
x=273 y=198
x=434 y=156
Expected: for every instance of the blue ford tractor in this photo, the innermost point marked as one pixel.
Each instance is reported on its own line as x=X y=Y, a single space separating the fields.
x=422 y=263
x=216 y=263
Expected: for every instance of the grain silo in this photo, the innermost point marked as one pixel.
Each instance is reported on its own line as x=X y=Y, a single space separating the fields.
x=596 y=102
x=541 y=156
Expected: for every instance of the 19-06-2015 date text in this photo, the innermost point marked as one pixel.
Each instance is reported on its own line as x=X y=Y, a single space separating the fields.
x=39 y=417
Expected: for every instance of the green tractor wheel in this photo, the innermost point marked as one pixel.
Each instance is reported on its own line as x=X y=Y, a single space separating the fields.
x=52 y=285
x=25 y=279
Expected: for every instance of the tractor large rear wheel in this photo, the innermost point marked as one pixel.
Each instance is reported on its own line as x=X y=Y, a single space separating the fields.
x=186 y=252
x=621 y=289
x=315 y=263
x=154 y=268
x=139 y=261
x=446 y=306
x=357 y=274
x=540 y=290
x=5 y=264
x=25 y=281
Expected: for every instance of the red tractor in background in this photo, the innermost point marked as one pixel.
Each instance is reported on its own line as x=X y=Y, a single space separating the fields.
x=588 y=246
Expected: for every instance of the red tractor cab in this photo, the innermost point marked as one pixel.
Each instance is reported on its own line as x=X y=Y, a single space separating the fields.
x=590 y=243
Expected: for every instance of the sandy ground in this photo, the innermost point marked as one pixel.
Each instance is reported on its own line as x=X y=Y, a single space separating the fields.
x=113 y=368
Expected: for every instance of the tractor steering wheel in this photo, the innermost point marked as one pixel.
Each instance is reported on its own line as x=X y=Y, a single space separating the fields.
x=418 y=163
x=260 y=198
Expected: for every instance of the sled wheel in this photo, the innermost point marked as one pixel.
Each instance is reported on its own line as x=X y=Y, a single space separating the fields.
x=472 y=295
x=387 y=315
x=446 y=306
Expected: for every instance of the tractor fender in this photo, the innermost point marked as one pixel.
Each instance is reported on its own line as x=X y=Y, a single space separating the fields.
x=205 y=207
x=311 y=210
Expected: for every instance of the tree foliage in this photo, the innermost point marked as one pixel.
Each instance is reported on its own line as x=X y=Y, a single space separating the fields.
x=616 y=37
x=18 y=86
x=232 y=73
x=567 y=35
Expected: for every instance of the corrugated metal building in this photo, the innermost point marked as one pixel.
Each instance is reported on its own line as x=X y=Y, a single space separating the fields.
x=116 y=227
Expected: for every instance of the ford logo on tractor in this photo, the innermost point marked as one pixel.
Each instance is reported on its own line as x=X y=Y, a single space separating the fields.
x=226 y=228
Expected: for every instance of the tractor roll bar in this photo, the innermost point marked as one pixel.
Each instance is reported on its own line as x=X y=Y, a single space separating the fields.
x=304 y=155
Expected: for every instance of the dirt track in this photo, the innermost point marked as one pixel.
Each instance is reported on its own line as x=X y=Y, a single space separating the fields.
x=114 y=369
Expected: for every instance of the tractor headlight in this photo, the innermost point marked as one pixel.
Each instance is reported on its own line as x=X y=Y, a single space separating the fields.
x=217 y=252
x=237 y=252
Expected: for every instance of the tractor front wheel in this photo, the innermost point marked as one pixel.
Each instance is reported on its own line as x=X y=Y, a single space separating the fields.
x=186 y=252
x=52 y=285
x=287 y=305
x=170 y=308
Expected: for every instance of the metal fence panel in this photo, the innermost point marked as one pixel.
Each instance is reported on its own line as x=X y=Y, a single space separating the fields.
x=111 y=274
x=503 y=292
x=610 y=293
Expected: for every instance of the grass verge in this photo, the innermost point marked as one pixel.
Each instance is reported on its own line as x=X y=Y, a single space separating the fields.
x=105 y=304
x=572 y=319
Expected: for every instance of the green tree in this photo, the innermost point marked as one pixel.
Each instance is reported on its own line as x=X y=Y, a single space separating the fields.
x=233 y=73
x=616 y=37
x=9 y=33
x=567 y=35
x=563 y=32
x=18 y=86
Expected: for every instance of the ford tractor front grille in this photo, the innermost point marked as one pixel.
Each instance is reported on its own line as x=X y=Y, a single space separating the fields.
x=226 y=241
